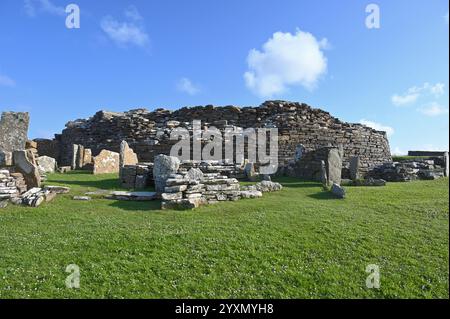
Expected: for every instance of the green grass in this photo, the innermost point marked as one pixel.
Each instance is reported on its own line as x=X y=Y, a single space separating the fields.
x=297 y=243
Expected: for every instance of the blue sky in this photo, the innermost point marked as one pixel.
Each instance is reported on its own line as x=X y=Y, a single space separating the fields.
x=130 y=54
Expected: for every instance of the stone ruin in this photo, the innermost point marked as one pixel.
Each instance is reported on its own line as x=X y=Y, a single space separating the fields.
x=148 y=133
x=22 y=170
x=187 y=189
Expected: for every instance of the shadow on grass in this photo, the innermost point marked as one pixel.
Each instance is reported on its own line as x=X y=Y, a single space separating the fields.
x=136 y=205
x=101 y=184
x=322 y=196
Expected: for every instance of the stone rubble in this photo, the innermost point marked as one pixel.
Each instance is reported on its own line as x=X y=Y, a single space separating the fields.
x=426 y=169
x=132 y=196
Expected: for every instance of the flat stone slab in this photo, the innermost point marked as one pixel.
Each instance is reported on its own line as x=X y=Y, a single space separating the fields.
x=132 y=196
x=58 y=189
x=82 y=198
x=98 y=192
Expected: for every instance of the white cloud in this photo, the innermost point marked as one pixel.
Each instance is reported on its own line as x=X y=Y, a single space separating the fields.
x=415 y=92
x=400 y=100
x=126 y=33
x=7 y=81
x=132 y=13
x=286 y=60
x=185 y=85
x=32 y=7
x=433 y=109
x=379 y=127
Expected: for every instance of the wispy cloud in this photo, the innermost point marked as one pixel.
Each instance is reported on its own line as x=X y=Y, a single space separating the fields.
x=414 y=93
x=128 y=32
x=34 y=7
x=378 y=126
x=185 y=85
x=7 y=81
x=286 y=60
x=433 y=109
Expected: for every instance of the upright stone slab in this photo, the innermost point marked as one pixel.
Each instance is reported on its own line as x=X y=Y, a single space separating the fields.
x=334 y=166
x=13 y=131
x=87 y=156
x=127 y=155
x=299 y=151
x=446 y=158
x=74 y=156
x=164 y=166
x=28 y=169
x=106 y=162
x=46 y=164
x=323 y=173
x=354 y=168
x=5 y=158
x=250 y=173
x=80 y=157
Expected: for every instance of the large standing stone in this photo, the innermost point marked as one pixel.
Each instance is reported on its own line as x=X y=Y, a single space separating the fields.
x=250 y=173
x=27 y=167
x=13 y=131
x=446 y=158
x=334 y=166
x=80 y=157
x=74 y=156
x=299 y=151
x=354 y=168
x=323 y=173
x=127 y=155
x=87 y=156
x=164 y=166
x=106 y=162
x=46 y=164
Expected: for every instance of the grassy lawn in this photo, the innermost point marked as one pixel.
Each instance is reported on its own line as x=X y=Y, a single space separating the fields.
x=297 y=243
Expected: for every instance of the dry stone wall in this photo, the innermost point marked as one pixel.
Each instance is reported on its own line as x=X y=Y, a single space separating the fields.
x=148 y=133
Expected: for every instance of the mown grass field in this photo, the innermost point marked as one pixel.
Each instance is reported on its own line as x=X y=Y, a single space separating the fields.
x=297 y=243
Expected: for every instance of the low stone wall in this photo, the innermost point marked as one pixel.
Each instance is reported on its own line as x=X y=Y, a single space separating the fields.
x=140 y=176
x=11 y=184
x=404 y=171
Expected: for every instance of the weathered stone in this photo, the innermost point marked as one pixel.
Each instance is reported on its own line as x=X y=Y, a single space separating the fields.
x=175 y=189
x=74 y=156
x=251 y=194
x=446 y=160
x=106 y=162
x=334 y=166
x=87 y=159
x=127 y=155
x=338 y=191
x=46 y=164
x=299 y=151
x=26 y=166
x=3 y=203
x=80 y=157
x=355 y=168
x=5 y=158
x=323 y=173
x=171 y=196
x=64 y=169
x=82 y=198
x=57 y=189
x=183 y=204
x=194 y=174
x=132 y=196
x=250 y=173
x=13 y=131
x=163 y=167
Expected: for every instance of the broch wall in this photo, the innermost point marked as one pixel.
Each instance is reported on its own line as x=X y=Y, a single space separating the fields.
x=148 y=133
